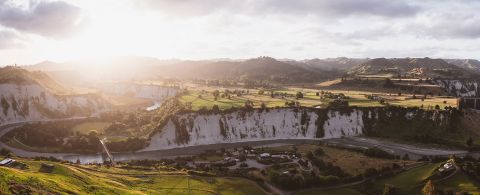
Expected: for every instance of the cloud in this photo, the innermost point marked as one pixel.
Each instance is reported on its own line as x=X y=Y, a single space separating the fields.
x=47 y=18
x=9 y=39
x=454 y=27
x=338 y=8
x=343 y=7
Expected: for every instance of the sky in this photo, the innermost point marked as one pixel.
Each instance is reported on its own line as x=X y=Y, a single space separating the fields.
x=36 y=30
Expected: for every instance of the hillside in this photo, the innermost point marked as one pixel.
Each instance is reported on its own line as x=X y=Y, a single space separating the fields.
x=468 y=64
x=340 y=63
x=66 y=178
x=19 y=76
x=33 y=95
x=411 y=67
x=262 y=68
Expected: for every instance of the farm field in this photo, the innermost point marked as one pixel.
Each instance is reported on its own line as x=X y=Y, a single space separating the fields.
x=204 y=98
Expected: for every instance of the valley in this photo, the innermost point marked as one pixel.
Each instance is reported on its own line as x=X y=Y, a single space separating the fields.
x=365 y=128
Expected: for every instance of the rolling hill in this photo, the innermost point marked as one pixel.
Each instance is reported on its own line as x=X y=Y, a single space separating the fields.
x=468 y=64
x=413 y=67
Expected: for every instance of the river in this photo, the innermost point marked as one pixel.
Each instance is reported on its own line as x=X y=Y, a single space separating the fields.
x=414 y=151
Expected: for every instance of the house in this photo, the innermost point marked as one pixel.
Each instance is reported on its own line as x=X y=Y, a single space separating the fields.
x=6 y=162
x=264 y=155
x=447 y=166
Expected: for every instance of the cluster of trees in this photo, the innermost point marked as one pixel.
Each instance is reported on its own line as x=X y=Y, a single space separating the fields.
x=338 y=103
x=58 y=136
x=470 y=166
x=129 y=144
x=5 y=152
x=330 y=95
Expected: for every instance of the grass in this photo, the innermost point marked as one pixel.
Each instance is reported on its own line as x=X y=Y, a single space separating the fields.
x=85 y=128
x=342 y=191
x=408 y=181
x=460 y=182
x=85 y=179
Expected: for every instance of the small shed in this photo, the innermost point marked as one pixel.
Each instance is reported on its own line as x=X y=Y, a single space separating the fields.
x=6 y=162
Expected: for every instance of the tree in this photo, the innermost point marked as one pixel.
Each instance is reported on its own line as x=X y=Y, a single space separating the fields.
x=215 y=108
x=429 y=188
x=299 y=95
x=216 y=93
x=469 y=142
x=263 y=105
x=389 y=190
x=5 y=152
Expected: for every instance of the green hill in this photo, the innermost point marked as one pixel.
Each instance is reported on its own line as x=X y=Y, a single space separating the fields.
x=89 y=179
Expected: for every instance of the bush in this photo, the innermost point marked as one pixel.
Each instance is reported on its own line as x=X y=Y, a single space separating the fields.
x=5 y=152
x=299 y=95
x=319 y=152
x=377 y=153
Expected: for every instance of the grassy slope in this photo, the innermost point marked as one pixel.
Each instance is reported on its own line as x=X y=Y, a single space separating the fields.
x=343 y=191
x=409 y=181
x=85 y=128
x=68 y=179
x=460 y=182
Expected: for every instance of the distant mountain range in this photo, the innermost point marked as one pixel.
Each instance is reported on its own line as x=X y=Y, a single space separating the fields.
x=261 y=68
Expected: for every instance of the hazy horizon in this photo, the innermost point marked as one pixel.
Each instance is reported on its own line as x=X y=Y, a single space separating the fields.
x=68 y=30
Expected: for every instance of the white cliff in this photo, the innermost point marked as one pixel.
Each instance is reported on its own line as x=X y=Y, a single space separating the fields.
x=459 y=88
x=31 y=102
x=199 y=129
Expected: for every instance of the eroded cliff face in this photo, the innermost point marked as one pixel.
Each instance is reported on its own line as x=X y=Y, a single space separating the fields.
x=191 y=129
x=154 y=92
x=199 y=129
x=31 y=102
x=460 y=88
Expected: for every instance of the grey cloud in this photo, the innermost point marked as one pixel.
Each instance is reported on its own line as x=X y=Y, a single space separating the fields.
x=47 y=18
x=315 y=7
x=343 y=7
